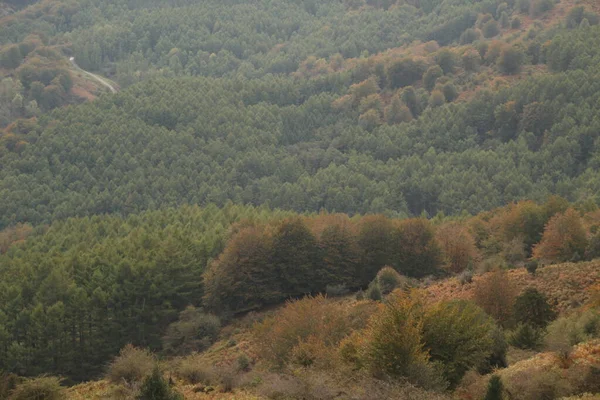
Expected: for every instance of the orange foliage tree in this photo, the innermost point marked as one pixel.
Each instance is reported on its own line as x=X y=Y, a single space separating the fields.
x=240 y=279
x=564 y=238
x=496 y=294
x=458 y=247
x=14 y=235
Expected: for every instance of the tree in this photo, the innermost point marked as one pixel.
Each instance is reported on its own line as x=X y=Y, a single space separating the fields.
x=458 y=334
x=370 y=119
x=495 y=389
x=376 y=242
x=11 y=57
x=392 y=342
x=431 y=75
x=436 y=99
x=490 y=29
x=450 y=92
x=404 y=72
x=242 y=277
x=523 y=221
x=511 y=60
x=364 y=89
x=471 y=60
x=457 y=246
x=564 y=238
x=417 y=252
x=469 y=36
x=156 y=387
x=409 y=97
x=531 y=307
x=504 y=20
x=341 y=255
x=495 y=294
x=295 y=258
x=446 y=59
x=397 y=112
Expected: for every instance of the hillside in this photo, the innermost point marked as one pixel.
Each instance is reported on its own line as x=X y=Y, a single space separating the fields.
x=299 y=199
x=259 y=382
x=566 y=285
x=356 y=132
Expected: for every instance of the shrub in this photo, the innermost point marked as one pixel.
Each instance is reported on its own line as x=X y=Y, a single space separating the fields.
x=131 y=365
x=227 y=377
x=532 y=266
x=243 y=362
x=526 y=336
x=531 y=307
x=194 y=369
x=193 y=331
x=389 y=279
x=458 y=335
x=311 y=317
x=42 y=388
x=536 y=383
x=465 y=277
x=495 y=389
x=566 y=332
x=7 y=383
x=374 y=292
x=155 y=387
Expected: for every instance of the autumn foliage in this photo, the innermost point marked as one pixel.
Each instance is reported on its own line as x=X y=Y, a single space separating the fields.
x=496 y=294
x=564 y=238
x=458 y=247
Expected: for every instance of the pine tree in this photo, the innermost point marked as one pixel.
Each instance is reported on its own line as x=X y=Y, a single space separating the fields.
x=495 y=389
x=532 y=307
x=156 y=387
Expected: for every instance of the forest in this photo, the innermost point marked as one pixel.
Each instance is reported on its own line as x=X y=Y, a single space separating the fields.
x=300 y=199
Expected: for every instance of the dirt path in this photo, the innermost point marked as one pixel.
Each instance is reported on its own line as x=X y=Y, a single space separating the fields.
x=94 y=76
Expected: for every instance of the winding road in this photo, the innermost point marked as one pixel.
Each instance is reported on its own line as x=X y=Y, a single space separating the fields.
x=94 y=76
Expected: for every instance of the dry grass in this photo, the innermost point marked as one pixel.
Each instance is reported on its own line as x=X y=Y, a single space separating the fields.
x=565 y=284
